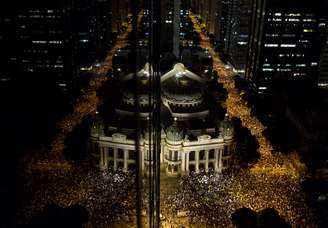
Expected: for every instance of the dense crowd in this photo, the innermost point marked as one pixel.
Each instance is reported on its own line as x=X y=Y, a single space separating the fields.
x=108 y=196
x=210 y=199
x=201 y=199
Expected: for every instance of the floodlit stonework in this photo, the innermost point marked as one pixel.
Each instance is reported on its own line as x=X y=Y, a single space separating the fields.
x=188 y=143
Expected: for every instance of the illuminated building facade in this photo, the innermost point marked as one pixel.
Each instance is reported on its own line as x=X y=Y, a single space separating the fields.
x=238 y=20
x=285 y=42
x=59 y=39
x=194 y=136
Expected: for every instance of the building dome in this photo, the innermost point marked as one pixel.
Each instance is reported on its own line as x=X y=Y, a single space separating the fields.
x=173 y=133
x=128 y=94
x=128 y=87
x=181 y=87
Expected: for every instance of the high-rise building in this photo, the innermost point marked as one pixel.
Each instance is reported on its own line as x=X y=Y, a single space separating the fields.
x=323 y=73
x=285 y=42
x=56 y=39
x=236 y=32
x=44 y=45
x=7 y=33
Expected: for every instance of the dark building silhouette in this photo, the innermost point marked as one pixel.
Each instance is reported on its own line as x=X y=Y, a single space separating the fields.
x=236 y=36
x=323 y=73
x=285 y=42
x=58 y=40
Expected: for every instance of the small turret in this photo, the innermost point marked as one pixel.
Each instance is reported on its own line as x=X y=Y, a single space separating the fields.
x=97 y=126
x=173 y=133
x=226 y=128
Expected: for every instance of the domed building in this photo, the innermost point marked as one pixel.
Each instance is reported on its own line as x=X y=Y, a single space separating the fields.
x=194 y=135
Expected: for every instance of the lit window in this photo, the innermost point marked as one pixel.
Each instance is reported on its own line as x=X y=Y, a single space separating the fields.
x=35 y=16
x=288 y=35
x=268 y=69
x=301 y=65
x=292 y=14
x=292 y=19
x=287 y=45
x=39 y=41
x=284 y=69
x=242 y=43
x=55 y=42
x=308 y=30
x=309 y=20
x=272 y=35
x=270 y=45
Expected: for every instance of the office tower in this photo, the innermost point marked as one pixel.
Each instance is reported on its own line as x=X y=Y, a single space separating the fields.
x=7 y=33
x=58 y=40
x=44 y=45
x=323 y=73
x=285 y=42
x=236 y=32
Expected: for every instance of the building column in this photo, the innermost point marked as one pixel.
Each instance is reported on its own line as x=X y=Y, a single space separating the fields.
x=216 y=157
x=101 y=162
x=115 y=159
x=126 y=157
x=105 y=150
x=187 y=161
x=206 y=162
x=197 y=161
x=142 y=159
x=162 y=150
x=183 y=162
x=220 y=160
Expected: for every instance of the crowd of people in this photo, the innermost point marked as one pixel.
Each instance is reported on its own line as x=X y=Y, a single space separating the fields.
x=109 y=197
x=209 y=200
